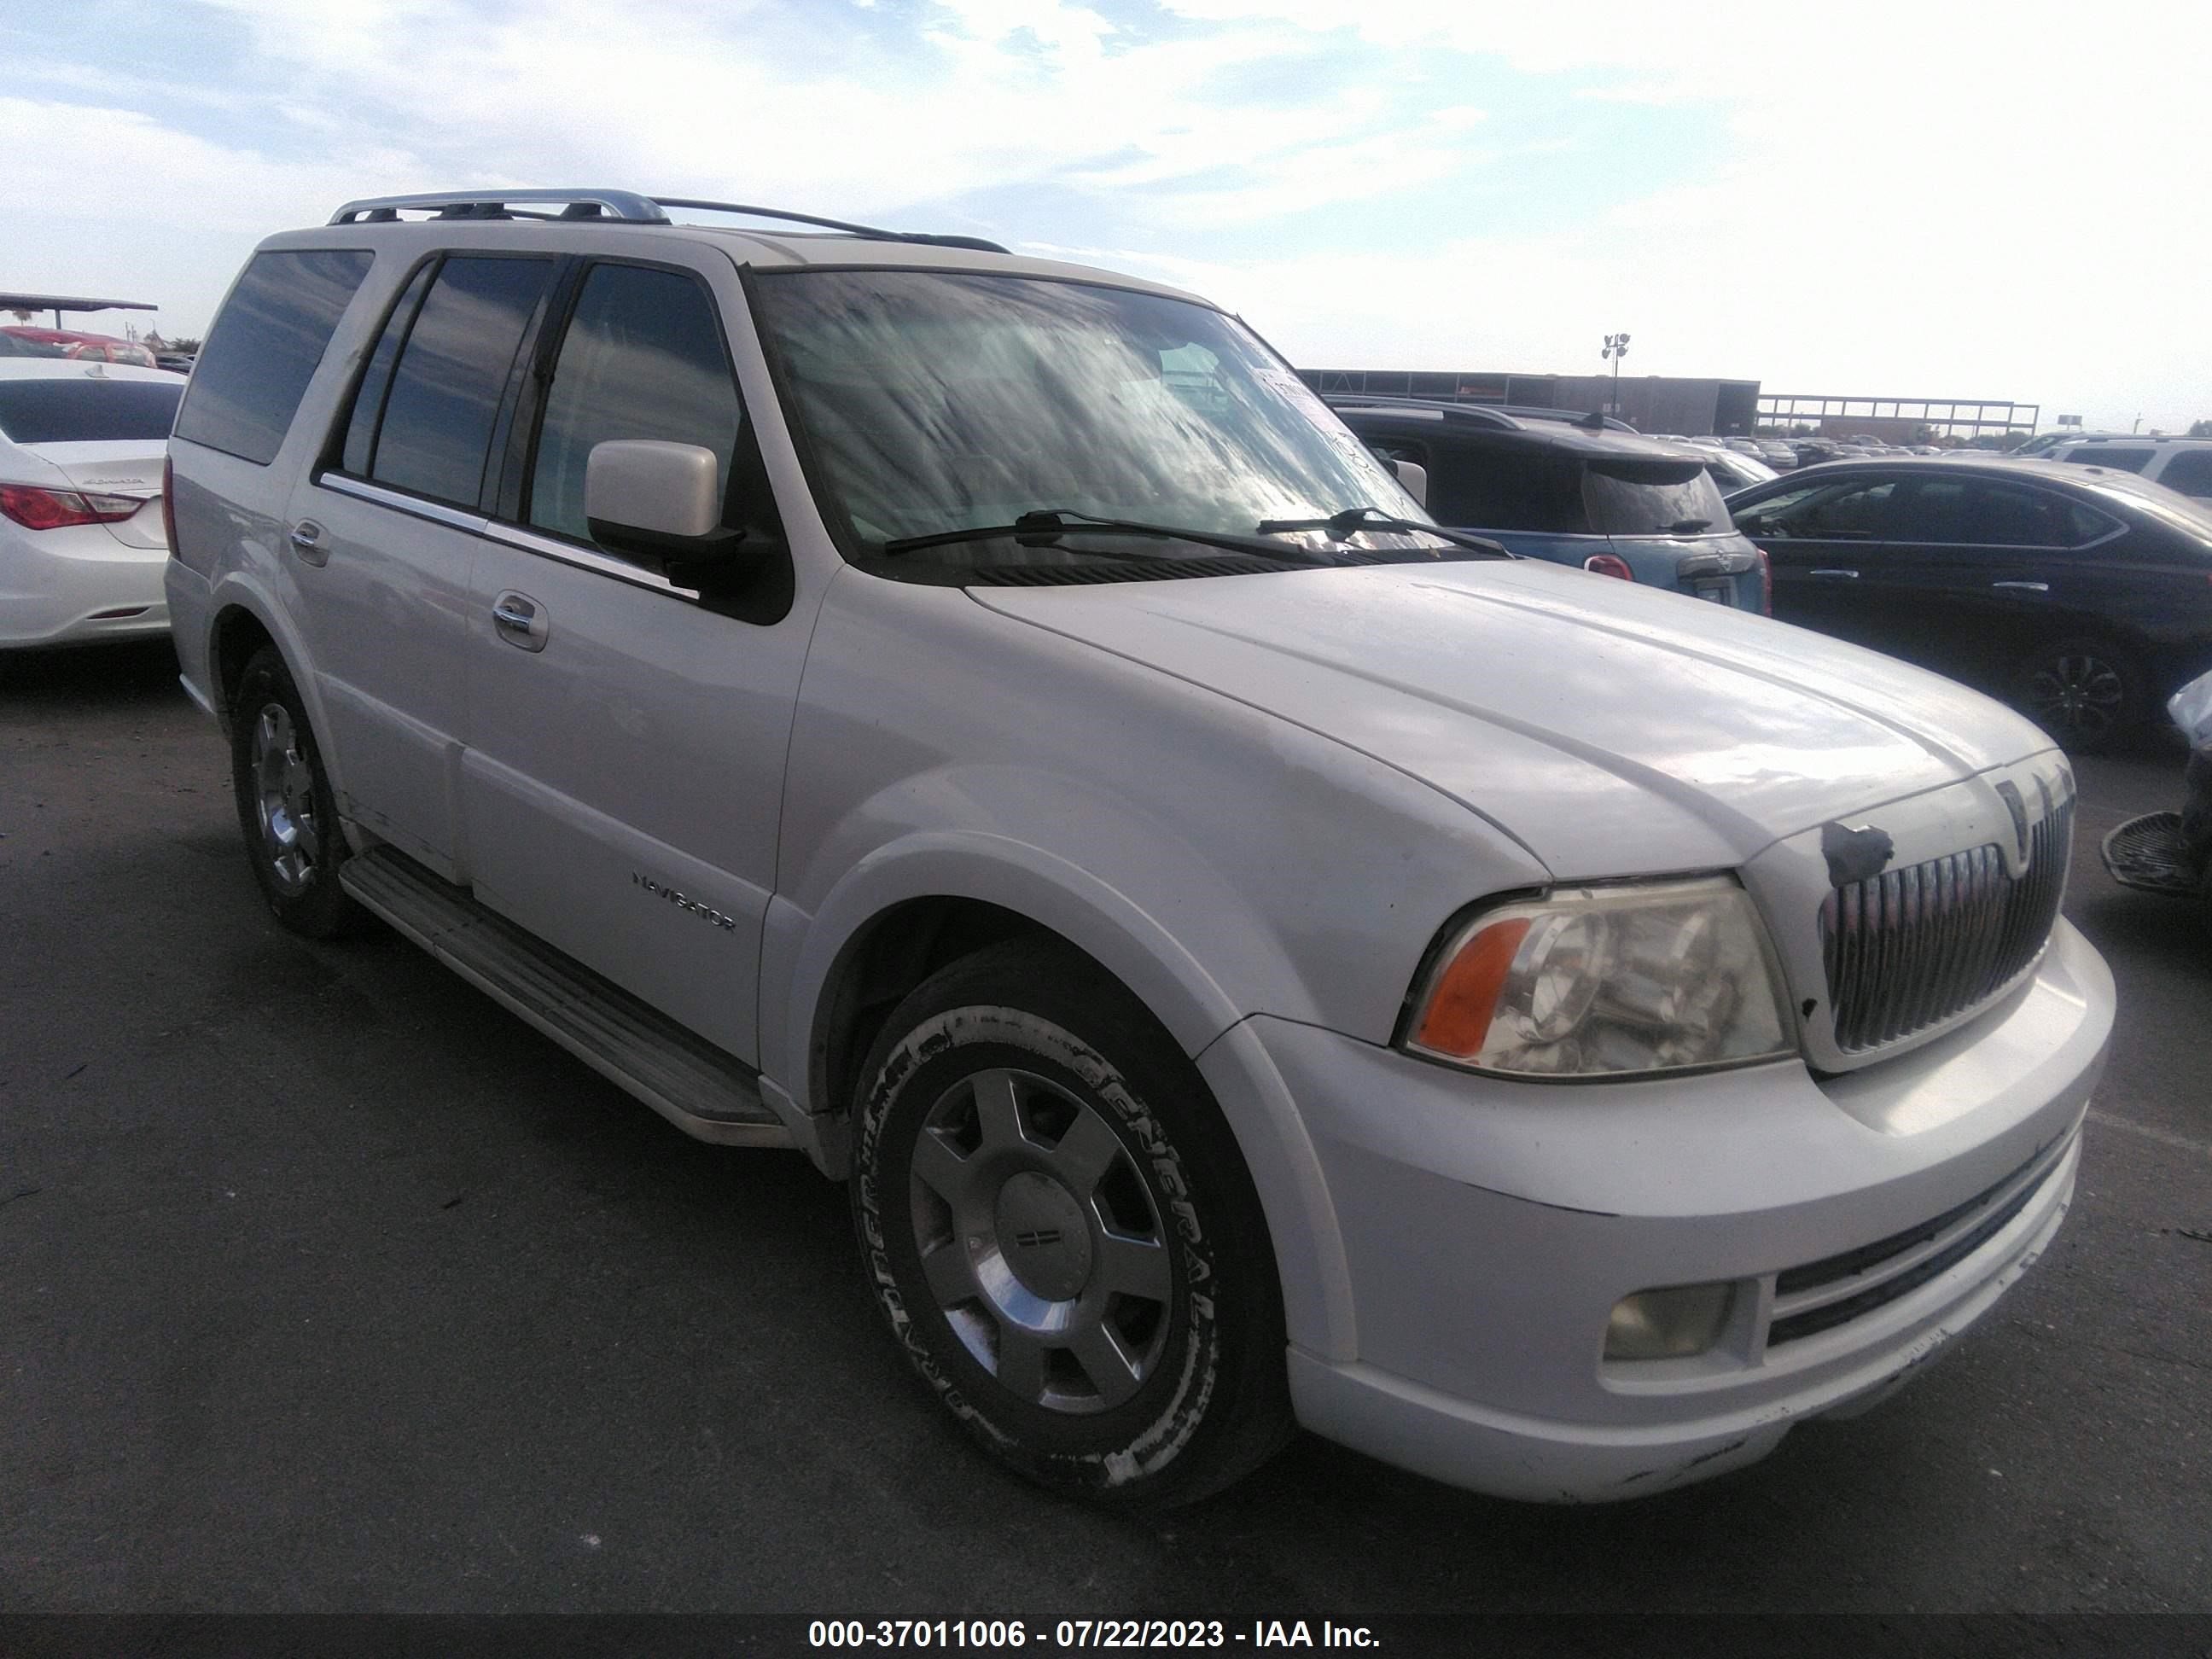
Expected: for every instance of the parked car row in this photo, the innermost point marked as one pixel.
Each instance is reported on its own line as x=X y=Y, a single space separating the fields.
x=2082 y=595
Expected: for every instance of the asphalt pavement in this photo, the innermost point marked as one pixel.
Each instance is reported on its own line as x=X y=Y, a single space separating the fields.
x=327 y=1286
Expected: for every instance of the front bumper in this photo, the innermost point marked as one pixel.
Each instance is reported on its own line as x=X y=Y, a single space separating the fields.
x=1488 y=1229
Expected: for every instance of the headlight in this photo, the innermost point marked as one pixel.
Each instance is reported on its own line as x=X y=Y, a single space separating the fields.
x=1599 y=981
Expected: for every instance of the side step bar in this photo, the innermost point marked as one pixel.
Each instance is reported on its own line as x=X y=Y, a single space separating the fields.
x=702 y=1090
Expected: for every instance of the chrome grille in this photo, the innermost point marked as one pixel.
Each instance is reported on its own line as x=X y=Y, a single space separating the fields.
x=1914 y=946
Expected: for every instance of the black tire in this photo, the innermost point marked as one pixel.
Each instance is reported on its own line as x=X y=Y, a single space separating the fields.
x=2090 y=694
x=285 y=806
x=1092 y=1082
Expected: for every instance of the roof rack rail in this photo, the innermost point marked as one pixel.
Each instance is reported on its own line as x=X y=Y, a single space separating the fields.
x=625 y=206
x=872 y=232
x=615 y=206
x=1480 y=414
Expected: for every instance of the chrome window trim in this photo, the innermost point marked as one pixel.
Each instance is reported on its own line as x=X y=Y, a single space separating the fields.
x=417 y=507
x=510 y=535
x=583 y=558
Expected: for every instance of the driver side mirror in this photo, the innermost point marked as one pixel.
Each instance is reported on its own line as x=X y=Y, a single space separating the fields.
x=1414 y=479
x=645 y=497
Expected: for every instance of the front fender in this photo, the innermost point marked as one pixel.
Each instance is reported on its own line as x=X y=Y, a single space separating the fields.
x=802 y=954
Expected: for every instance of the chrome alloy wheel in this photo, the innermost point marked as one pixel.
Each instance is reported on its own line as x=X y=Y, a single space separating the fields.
x=284 y=800
x=1041 y=1242
x=2076 y=694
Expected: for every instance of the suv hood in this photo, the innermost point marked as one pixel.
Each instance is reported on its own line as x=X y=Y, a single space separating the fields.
x=1609 y=728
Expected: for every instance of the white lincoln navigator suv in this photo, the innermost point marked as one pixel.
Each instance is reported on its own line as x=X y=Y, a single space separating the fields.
x=1254 y=957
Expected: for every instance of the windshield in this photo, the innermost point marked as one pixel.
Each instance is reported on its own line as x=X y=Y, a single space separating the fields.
x=935 y=402
x=1654 y=498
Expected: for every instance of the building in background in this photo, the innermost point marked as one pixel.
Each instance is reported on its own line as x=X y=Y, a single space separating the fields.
x=1666 y=403
x=1899 y=420
x=1650 y=403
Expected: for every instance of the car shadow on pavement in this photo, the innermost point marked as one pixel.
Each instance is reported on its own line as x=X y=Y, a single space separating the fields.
x=78 y=677
x=2173 y=934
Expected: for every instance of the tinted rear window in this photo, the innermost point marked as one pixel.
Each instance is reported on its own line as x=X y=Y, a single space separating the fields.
x=87 y=410
x=1486 y=490
x=263 y=348
x=452 y=374
x=1654 y=498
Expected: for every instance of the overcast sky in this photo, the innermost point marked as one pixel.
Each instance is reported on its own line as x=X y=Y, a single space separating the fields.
x=1938 y=199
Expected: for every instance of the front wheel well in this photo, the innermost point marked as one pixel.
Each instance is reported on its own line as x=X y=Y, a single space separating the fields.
x=891 y=956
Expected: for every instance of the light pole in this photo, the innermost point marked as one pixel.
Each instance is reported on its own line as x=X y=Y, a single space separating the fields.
x=1616 y=347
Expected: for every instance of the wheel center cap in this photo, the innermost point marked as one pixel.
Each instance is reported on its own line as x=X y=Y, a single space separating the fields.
x=1043 y=1237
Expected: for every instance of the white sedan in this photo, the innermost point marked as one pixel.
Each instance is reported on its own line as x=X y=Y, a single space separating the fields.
x=81 y=546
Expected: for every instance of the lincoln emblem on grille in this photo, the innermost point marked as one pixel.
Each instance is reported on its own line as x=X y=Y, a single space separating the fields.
x=2018 y=808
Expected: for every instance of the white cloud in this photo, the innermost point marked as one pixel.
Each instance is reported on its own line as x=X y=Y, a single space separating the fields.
x=1970 y=199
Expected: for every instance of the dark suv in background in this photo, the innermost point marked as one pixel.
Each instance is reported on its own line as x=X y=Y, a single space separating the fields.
x=1581 y=492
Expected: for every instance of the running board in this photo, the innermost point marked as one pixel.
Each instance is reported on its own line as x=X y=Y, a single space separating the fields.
x=702 y=1090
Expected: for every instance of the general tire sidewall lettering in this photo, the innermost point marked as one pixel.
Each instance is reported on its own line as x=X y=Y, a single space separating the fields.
x=1191 y=1369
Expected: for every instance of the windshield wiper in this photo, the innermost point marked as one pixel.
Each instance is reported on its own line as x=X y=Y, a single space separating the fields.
x=1687 y=526
x=1349 y=523
x=1061 y=520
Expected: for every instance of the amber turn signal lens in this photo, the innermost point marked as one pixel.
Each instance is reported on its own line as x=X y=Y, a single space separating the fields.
x=1457 y=1018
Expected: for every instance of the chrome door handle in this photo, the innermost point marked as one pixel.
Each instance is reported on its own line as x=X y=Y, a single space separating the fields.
x=307 y=542
x=1835 y=576
x=520 y=620
x=2024 y=587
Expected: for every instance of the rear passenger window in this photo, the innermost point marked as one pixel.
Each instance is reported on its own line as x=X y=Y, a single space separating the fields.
x=643 y=358
x=2189 y=471
x=265 y=348
x=452 y=375
x=376 y=380
x=2005 y=515
x=1853 y=511
x=2084 y=526
x=2120 y=461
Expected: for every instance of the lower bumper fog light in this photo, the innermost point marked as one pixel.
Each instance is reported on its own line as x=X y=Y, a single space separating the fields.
x=1669 y=1324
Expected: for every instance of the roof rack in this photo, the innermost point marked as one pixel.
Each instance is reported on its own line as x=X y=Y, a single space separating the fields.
x=1480 y=414
x=612 y=206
